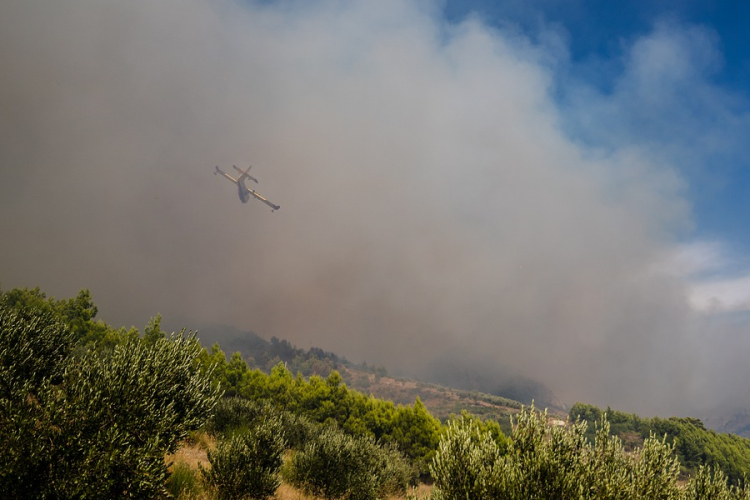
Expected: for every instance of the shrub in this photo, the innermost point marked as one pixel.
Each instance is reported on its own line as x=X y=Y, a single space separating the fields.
x=247 y=464
x=34 y=349
x=464 y=465
x=713 y=484
x=335 y=465
x=236 y=413
x=551 y=462
x=95 y=426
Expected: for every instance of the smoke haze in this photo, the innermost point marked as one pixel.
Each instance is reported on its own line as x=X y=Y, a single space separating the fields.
x=433 y=202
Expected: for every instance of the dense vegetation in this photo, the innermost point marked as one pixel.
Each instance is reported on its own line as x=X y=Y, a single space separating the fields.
x=541 y=461
x=89 y=411
x=412 y=428
x=248 y=463
x=265 y=354
x=693 y=444
x=91 y=423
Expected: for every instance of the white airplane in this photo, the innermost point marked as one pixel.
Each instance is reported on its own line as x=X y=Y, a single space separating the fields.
x=244 y=192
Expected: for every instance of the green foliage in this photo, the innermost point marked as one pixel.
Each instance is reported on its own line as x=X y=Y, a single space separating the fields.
x=95 y=425
x=34 y=349
x=184 y=482
x=417 y=433
x=708 y=484
x=412 y=428
x=153 y=392
x=34 y=346
x=247 y=464
x=335 y=465
x=464 y=466
x=153 y=332
x=694 y=445
x=233 y=415
x=542 y=461
x=77 y=313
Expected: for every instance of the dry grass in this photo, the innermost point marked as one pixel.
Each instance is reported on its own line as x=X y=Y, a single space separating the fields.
x=286 y=492
x=421 y=491
x=193 y=452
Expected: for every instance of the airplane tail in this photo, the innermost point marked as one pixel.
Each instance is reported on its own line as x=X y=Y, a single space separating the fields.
x=245 y=174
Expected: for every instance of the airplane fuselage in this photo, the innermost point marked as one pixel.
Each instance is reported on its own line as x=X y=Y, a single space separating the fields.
x=244 y=192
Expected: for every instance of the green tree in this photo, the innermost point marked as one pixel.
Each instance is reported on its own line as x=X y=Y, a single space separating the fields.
x=77 y=313
x=94 y=426
x=545 y=462
x=465 y=464
x=247 y=464
x=34 y=351
x=335 y=465
x=153 y=332
x=417 y=433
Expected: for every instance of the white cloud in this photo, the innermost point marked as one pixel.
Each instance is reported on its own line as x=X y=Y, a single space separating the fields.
x=726 y=295
x=715 y=285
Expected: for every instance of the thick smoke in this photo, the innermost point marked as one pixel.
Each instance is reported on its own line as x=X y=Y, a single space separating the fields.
x=433 y=211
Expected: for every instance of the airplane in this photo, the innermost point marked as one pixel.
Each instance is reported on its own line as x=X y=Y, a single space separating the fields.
x=244 y=192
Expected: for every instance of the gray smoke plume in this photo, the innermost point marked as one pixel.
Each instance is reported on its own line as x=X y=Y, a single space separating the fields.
x=433 y=211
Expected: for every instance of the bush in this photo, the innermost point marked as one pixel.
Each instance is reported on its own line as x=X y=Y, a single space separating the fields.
x=34 y=350
x=551 y=462
x=464 y=465
x=234 y=413
x=713 y=484
x=237 y=414
x=247 y=464
x=95 y=426
x=335 y=465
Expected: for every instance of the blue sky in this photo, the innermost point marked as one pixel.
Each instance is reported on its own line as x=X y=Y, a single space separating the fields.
x=711 y=96
x=600 y=35
x=551 y=189
x=598 y=30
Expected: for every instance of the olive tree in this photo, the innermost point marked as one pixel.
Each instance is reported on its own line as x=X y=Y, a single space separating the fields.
x=335 y=465
x=95 y=425
x=247 y=464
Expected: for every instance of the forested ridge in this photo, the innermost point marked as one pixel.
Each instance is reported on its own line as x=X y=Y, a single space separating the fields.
x=694 y=444
x=91 y=411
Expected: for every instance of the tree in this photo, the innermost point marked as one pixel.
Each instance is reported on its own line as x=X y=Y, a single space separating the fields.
x=464 y=465
x=543 y=461
x=96 y=425
x=34 y=350
x=417 y=433
x=335 y=465
x=247 y=464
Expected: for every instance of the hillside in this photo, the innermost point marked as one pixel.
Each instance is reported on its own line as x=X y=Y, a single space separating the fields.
x=694 y=444
x=445 y=397
x=441 y=400
x=735 y=421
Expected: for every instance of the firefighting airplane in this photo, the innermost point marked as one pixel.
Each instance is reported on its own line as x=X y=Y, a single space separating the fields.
x=244 y=192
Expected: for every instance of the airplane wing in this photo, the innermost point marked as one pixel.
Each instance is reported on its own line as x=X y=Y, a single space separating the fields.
x=261 y=198
x=220 y=171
